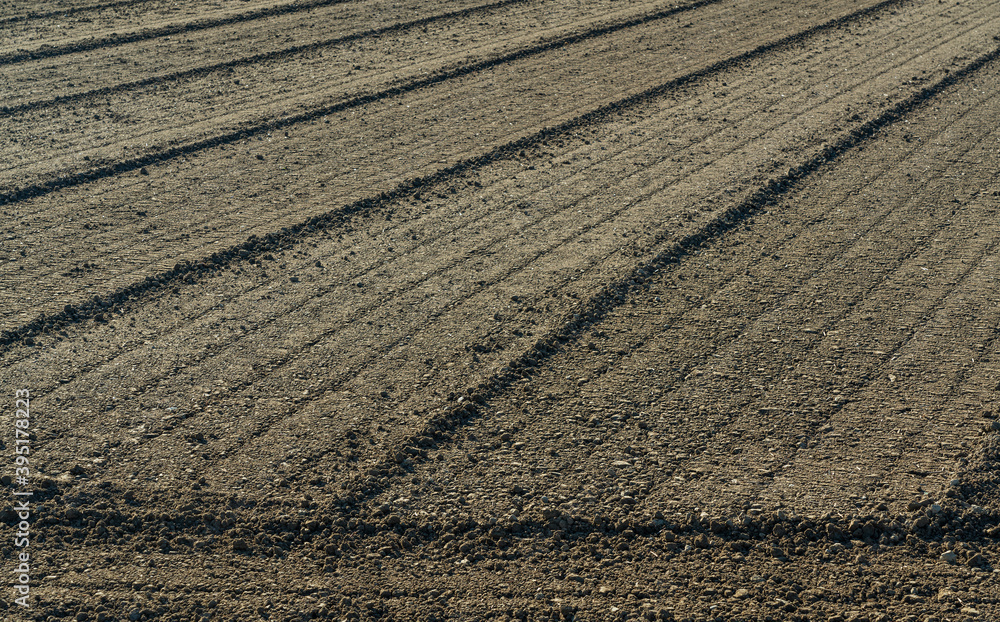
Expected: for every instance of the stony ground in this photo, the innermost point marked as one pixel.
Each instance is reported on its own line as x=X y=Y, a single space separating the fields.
x=522 y=310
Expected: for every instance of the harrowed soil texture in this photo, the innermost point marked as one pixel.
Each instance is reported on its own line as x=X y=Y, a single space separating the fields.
x=512 y=310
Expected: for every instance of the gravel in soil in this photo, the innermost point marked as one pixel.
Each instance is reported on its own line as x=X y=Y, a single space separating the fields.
x=515 y=311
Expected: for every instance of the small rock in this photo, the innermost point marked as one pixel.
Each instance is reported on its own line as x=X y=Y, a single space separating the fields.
x=975 y=560
x=741 y=593
x=240 y=545
x=702 y=542
x=949 y=556
x=135 y=615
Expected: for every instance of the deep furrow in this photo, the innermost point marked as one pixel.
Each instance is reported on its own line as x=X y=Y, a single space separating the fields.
x=726 y=339
x=348 y=102
x=98 y=43
x=801 y=90
x=645 y=195
x=410 y=188
x=71 y=11
x=596 y=308
x=284 y=53
x=590 y=118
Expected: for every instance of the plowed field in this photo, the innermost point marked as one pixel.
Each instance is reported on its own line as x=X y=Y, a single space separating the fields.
x=516 y=310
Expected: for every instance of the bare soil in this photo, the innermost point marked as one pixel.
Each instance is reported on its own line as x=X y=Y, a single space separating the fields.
x=519 y=310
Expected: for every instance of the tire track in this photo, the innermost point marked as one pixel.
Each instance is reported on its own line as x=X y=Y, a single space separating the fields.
x=477 y=509
x=875 y=368
x=865 y=234
x=427 y=431
x=350 y=102
x=848 y=306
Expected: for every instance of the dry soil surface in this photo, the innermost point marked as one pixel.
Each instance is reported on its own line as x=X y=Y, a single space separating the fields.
x=515 y=310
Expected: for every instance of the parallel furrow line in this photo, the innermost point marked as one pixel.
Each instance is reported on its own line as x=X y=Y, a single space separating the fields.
x=731 y=105
x=841 y=253
x=164 y=31
x=364 y=311
x=615 y=294
x=590 y=118
x=71 y=11
x=721 y=341
x=244 y=61
x=256 y=245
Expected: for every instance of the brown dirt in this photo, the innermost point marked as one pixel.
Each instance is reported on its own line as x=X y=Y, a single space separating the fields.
x=516 y=310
